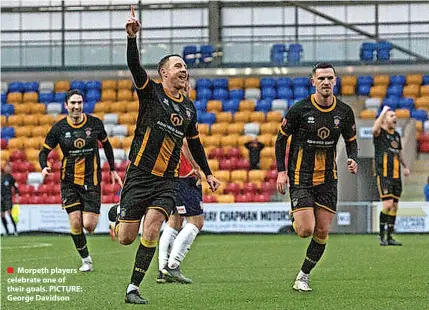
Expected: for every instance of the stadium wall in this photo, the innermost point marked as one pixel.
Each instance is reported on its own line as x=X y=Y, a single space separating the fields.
x=413 y=217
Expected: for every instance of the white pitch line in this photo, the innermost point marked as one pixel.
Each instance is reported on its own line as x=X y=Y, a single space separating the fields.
x=36 y=245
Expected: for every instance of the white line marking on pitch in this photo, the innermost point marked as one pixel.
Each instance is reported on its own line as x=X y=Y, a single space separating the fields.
x=36 y=245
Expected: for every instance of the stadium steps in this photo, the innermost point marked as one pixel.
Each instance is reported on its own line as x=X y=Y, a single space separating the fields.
x=414 y=183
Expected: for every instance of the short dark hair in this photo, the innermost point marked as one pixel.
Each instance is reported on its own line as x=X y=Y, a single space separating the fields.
x=73 y=92
x=322 y=65
x=164 y=60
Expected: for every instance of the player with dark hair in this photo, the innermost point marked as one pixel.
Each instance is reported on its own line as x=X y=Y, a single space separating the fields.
x=7 y=184
x=165 y=118
x=315 y=125
x=388 y=161
x=78 y=135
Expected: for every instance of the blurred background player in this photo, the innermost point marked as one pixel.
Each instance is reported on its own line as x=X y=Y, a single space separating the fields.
x=7 y=183
x=78 y=135
x=388 y=161
x=255 y=147
x=173 y=245
x=315 y=125
x=165 y=118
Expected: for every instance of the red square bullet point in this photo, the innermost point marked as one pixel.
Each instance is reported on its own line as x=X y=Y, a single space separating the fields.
x=9 y=269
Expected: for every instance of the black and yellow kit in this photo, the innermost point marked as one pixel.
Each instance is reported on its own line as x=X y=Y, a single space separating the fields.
x=80 y=170
x=387 y=147
x=162 y=124
x=315 y=131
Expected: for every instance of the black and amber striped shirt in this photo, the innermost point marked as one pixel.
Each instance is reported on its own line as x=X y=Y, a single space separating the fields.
x=163 y=122
x=315 y=131
x=387 y=148
x=79 y=144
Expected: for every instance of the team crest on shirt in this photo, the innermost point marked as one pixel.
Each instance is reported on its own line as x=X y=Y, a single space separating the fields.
x=336 y=121
x=188 y=113
x=394 y=144
x=88 y=132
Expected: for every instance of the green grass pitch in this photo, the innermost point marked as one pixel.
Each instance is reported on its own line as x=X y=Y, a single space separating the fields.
x=233 y=272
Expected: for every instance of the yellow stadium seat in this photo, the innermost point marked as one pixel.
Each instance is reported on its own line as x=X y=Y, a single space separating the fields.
x=381 y=80
x=62 y=86
x=30 y=97
x=38 y=108
x=257 y=117
x=119 y=106
x=23 y=131
x=348 y=90
x=14 y=97
x=402 y=113
x=269 y=128
x=368 y=114
x=266 y=139
x=223 y=175
x=15 y=144
x=38 y=131
x=239 y=176
x=193 y=95
x=422 y=103
x=203 y=129
x=99 y=115
x=268 y=152
x=127 y=118
x=214 y=106
x=109 y=84
x=31 y=120
x=108 y=95
x=131 y=129
x=14 y=120
x=116 y=142
x=20 y=108
x=265 y=163
x=424 y=91
x=218 y=129
x=46 y=119
x=32 y=154
x=235 y=128
x=274 y=117
x=126 y=142
x=247 y=105
x=124 y=95
x=419 y=126
x=411 y=91
x=378 y=91
x=36 y=165
x=235 y=83
x=256 y=176
x=32 y=144
x=4 y=120
x=414 y=79
x=59 y=117
x=242 y=117
x=5 y=154
x=133 y=106
x=213 y=140
x=230 y=140
x=243 y=140
x=349 y=80
x=103 y=106
x=135 y=96
x=125 y=84
x=213 y=164
x=207 y=149
x=251 y=82
x=224 y=117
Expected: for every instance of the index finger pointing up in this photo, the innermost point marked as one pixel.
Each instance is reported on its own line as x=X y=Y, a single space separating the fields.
x=133 y=14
